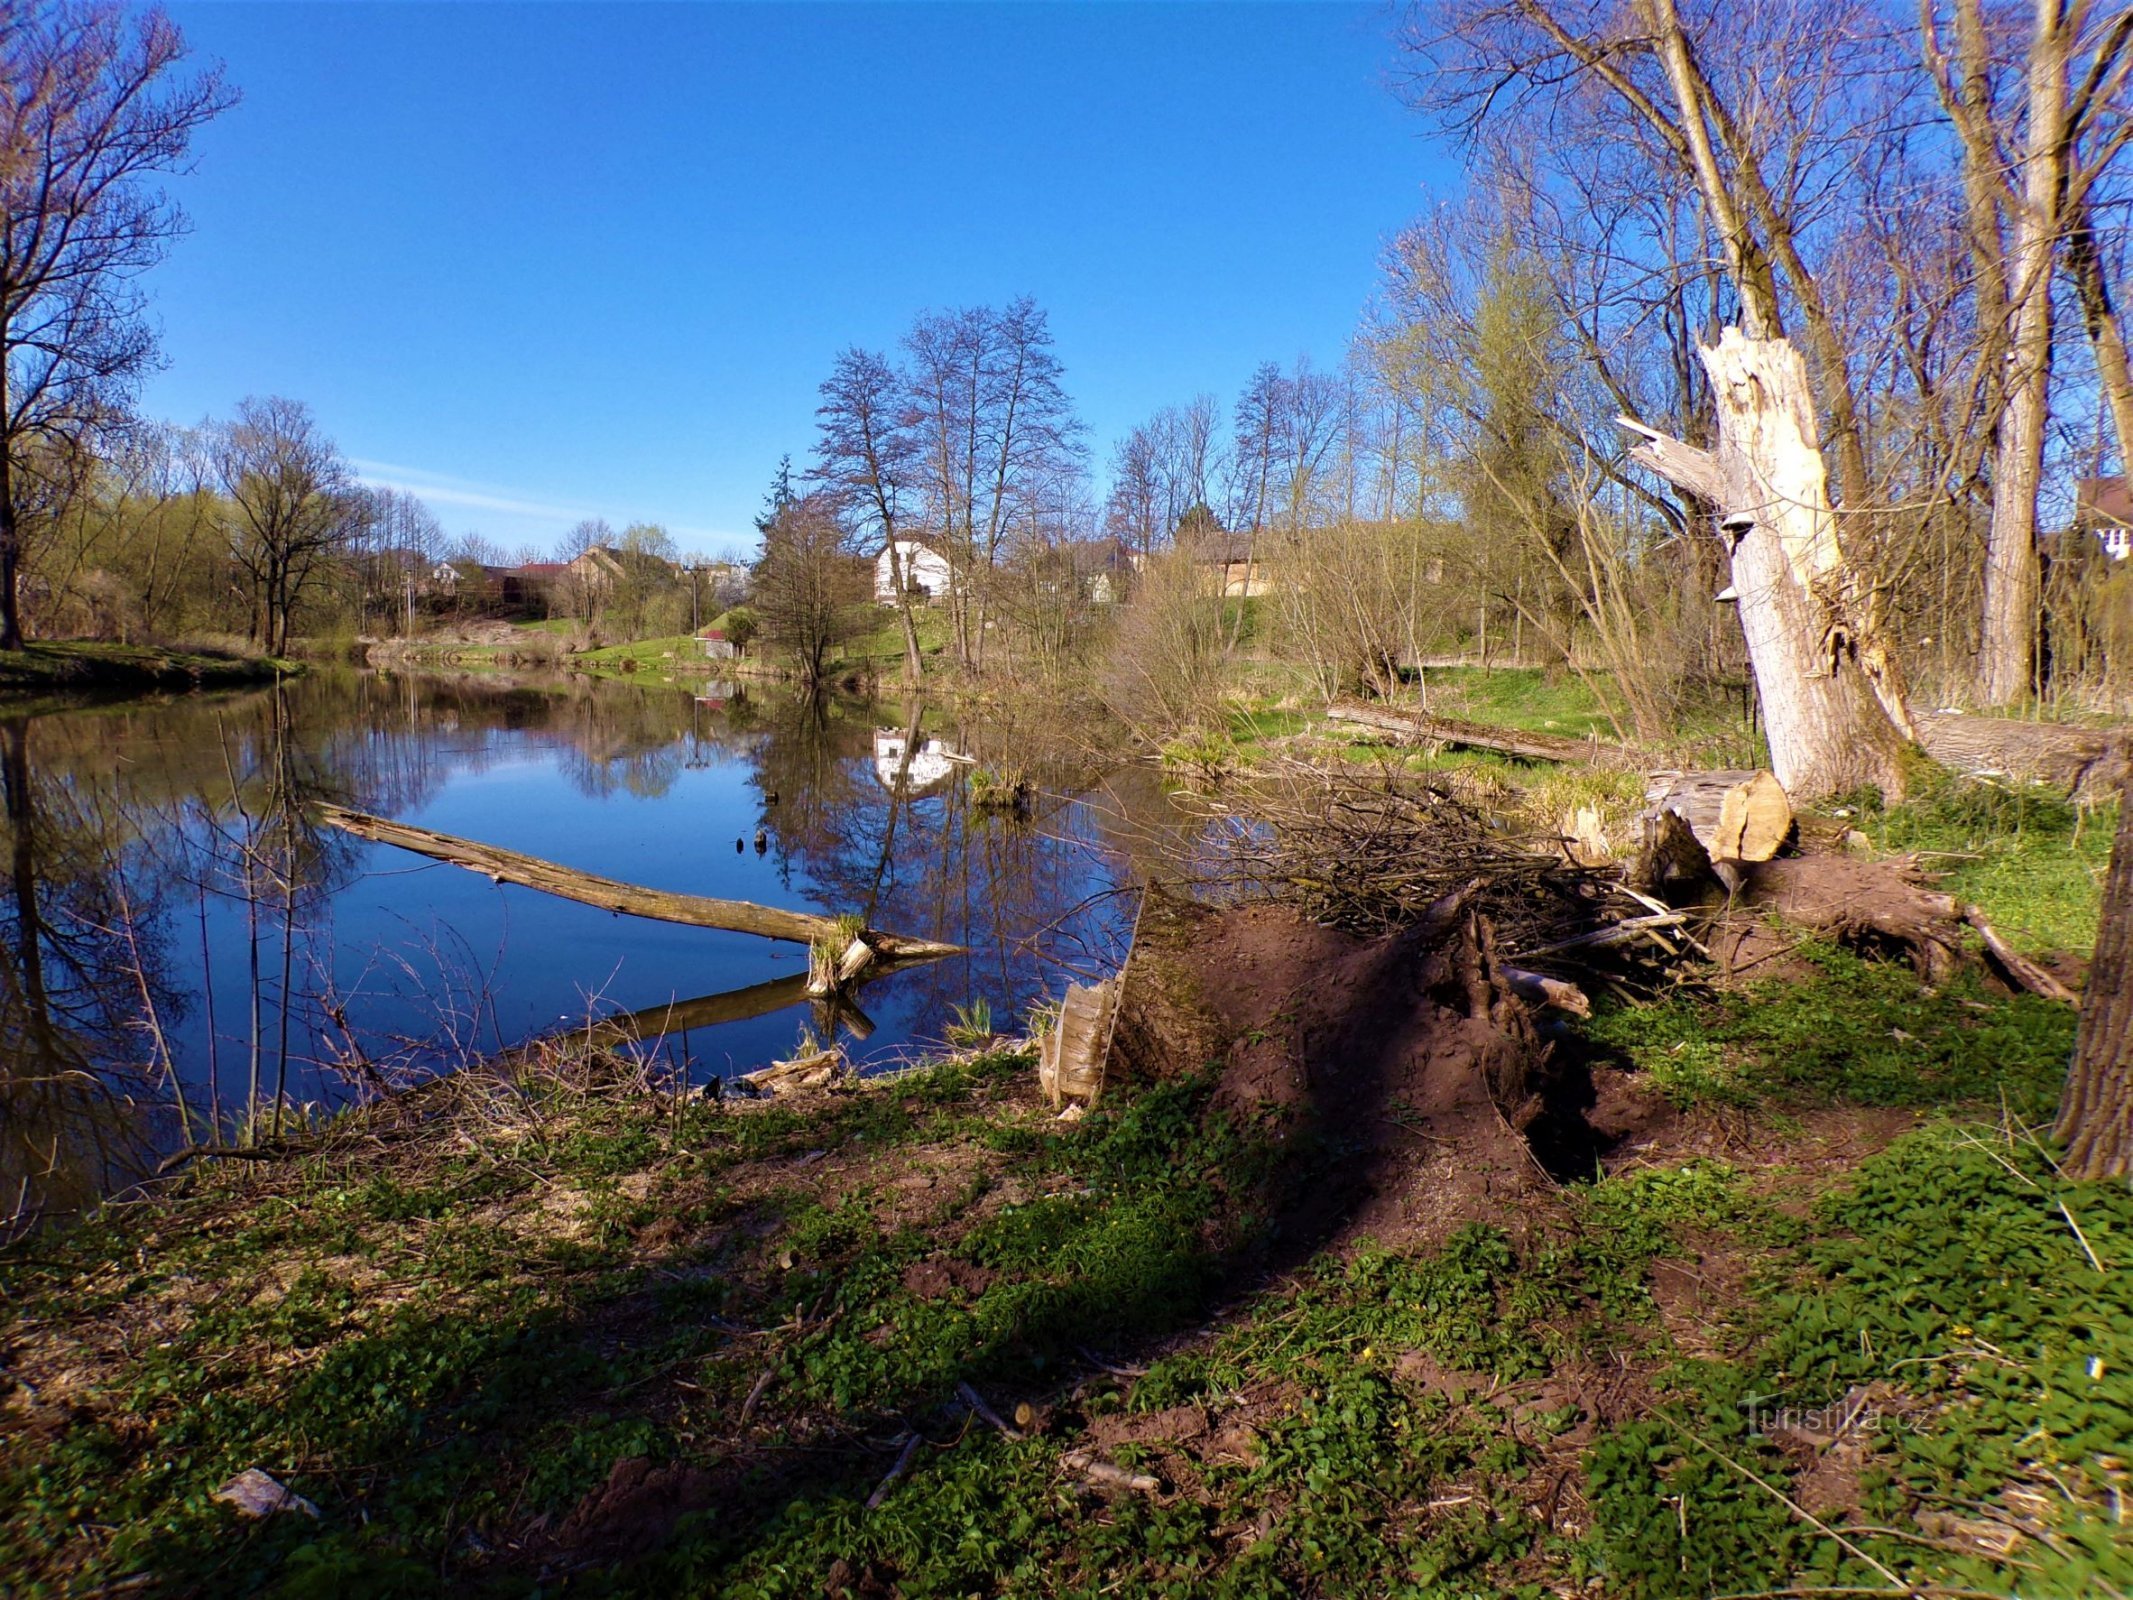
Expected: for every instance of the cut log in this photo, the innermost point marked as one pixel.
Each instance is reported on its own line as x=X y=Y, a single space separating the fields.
x=1071 y=1058
x=629 y=899
x=1543 y=992
x=1517 y=742
x=815 y=1071
x=1735 y=816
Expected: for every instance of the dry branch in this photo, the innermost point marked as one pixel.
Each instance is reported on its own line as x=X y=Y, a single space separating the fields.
x=1517 y=742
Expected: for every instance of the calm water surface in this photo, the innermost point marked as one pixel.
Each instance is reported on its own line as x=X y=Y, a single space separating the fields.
x=175 y=924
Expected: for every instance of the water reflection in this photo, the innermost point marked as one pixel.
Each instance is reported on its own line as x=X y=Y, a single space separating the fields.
x=186 y=955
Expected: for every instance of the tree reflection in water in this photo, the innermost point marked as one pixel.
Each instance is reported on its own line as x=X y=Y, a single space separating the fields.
x=186 y=957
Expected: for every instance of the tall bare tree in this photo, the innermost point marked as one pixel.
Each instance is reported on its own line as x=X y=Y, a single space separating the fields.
x=2026 y=194
x=866 y=455
x=992 y=422
x=95 y=104
x=293 y=507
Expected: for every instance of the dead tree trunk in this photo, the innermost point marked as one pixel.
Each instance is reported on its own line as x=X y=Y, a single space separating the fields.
x=2096 y=1111
x=1834 y=713
x=633 y=900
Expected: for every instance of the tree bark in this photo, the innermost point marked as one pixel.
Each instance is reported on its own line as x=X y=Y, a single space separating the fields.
x=2107 y=334
x=2007 y=656
x=1833 y=713
x=2096 y=1111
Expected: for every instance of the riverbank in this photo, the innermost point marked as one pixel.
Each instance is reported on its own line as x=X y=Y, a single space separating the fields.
x=1816 y=1310
x=93 y=667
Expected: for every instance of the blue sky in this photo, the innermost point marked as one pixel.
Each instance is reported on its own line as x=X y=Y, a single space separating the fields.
x=545 y=261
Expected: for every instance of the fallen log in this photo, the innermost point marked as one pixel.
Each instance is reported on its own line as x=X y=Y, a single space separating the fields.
x=1482 y=736
x=629 y=899
x=1545 y=993
x=814 y=1071
x=2078 y=761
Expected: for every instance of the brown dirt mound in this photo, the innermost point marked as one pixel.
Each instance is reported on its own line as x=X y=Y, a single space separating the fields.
x=1406 y=1051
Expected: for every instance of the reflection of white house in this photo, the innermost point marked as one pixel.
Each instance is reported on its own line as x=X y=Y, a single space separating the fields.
x=925 y=570
x=906 y=770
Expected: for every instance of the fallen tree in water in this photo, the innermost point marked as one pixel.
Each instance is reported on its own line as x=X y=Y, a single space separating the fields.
x=633 y=900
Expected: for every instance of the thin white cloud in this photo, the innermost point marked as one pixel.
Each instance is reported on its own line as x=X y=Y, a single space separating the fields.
x=444 y=490
x=449 y=491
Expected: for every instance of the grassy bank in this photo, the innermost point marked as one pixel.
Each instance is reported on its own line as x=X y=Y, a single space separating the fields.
x=86 y=666
x=561 y=1334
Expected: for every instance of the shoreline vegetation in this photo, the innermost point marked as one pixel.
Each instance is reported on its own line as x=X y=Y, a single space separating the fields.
x=1763 y=1279
x=551 y=1326
x=94 y=667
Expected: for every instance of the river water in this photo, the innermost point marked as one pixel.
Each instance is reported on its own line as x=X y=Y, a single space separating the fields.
x=176 y=926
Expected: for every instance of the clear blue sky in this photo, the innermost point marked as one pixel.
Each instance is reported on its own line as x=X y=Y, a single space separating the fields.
x=546 y=261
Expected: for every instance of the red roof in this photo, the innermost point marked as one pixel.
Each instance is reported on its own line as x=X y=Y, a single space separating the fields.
x=540 y=569
x=2103 y=500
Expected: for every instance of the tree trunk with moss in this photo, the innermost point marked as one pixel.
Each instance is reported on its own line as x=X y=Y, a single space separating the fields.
x=2096 y=1113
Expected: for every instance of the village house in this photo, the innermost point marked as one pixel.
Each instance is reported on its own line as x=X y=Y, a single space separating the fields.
x=2104 y=507
x=1232 y=562
x=926 y=571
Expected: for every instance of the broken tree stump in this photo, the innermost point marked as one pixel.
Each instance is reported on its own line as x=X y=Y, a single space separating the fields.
x=1073 y=1053
x=1735 y=816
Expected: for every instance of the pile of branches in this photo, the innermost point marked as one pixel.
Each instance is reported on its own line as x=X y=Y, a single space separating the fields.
x=1368 y=852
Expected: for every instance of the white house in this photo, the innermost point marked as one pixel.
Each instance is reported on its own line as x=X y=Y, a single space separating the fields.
x=925 y=570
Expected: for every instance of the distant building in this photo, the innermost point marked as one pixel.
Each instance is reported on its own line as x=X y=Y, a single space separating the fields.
x=717 y=646
x=1232 y=562
x=926 y=571
x=2104 y=507
x=1105 y=568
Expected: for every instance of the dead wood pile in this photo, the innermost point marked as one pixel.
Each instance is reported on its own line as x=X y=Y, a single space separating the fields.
x=1369 y=853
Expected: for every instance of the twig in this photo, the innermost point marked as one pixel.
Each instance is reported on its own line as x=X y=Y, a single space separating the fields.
x=2084 y=1238
x=904 y=1458
x=762 y=1383
x=1792 y=1505
x=984 y=1412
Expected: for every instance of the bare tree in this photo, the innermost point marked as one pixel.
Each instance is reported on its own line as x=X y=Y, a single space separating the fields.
x=94 y=104
x=991 y=420
x=809 y=585
x=2024 y=192
x=866 y=455
x=292 y=507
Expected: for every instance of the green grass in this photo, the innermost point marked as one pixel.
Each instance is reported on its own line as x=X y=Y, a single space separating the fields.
x=1947 y=1288
x=2033 y=860
x=1850 y=1031
x=420 y=1334
x=88 y=665
x=665 y=652
x=884 y=641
